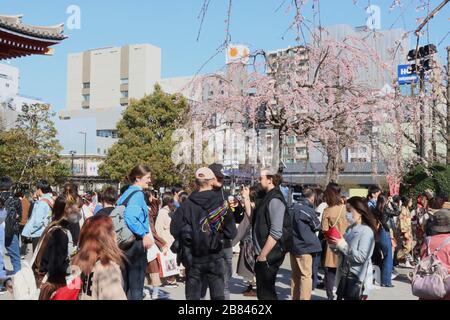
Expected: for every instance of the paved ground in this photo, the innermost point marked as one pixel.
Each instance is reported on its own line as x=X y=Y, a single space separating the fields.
x=401 y=291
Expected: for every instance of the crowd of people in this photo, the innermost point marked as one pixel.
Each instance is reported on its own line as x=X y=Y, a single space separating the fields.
x=104 y=239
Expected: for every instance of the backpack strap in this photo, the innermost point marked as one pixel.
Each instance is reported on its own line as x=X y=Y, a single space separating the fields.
x=125 y=203
x=427 y=242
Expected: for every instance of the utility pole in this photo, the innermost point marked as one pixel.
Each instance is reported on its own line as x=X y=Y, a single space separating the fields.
x=422 y=146
x=448 y=105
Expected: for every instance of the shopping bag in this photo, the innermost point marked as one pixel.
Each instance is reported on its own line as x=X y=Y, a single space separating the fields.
x=168 y=264
x=152 y=253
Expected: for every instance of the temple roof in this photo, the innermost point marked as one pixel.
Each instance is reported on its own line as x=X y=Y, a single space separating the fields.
x=14 y=24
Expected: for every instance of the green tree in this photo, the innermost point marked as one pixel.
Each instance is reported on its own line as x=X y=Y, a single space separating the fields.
x=145 y=137
x=420 y=178
x=30 y=151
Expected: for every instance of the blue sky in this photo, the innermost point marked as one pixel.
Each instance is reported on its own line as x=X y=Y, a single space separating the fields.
x=173 y=26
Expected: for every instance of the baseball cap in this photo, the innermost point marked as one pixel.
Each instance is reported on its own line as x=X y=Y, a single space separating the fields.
x=204 y=174
x=217 y=169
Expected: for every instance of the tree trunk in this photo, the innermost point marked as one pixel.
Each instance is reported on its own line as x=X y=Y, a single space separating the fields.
x=333 y=165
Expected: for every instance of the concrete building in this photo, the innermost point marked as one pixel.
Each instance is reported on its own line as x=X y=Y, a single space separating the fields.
x=100 y=85
x=109 y=77
x=11 y=101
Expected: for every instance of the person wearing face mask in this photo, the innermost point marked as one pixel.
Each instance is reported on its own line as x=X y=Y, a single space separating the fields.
x=57 y=246
x=355 y=249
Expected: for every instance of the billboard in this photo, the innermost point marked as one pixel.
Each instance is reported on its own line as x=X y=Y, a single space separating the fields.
x=237 y=53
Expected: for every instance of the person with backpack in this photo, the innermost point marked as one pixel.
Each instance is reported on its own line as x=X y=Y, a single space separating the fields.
x=41 y=214
x=334 y=217
x=56 y=246
x=137 y=222
x=431 y=279
x=272 y=233
x=99 y=260
x=306 y=244
x=355 y=248
x=13 y=207
x=236 y=208
x=200 y=226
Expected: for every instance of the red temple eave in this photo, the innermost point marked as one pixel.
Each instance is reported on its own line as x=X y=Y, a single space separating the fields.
x=19 y=40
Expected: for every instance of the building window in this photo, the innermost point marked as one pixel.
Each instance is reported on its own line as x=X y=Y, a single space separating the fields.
x=300 y=151
x=86 y=85
x=124 y=94
x=99 y=150
x=291 y=140
x=124 y=81
x=124 y=104
x=107 y=134
x=86 y=97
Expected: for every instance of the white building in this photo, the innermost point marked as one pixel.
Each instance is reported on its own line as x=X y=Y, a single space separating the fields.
x=11 y=101
x=100 y=85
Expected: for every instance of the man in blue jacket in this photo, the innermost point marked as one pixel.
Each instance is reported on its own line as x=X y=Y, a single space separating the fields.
x=305 y=224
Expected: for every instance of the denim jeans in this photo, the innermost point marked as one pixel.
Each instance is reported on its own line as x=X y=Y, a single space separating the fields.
x=315 y=269
x=211 y=273
x=330 y=277
x=134 y=271
x=228 y=263
x=13 y=248
x=387 y=263
x=2 y=253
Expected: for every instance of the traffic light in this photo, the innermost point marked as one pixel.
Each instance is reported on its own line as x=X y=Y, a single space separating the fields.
x=423 y=52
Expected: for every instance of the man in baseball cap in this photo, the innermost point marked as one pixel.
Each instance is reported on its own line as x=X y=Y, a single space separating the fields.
x=218 y=171
x=201 y=236
x=205 y=174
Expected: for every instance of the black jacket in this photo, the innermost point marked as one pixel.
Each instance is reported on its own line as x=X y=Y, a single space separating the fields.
x=304 y=225
x=186 y=228
x=387 y=214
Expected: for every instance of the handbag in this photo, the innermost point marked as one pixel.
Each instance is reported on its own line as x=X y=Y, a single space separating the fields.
x=350 y=288
x=69 y=292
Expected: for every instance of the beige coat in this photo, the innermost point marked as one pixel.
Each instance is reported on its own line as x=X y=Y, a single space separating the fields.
x=330 y=215
x=162 y=226
x=106 y=283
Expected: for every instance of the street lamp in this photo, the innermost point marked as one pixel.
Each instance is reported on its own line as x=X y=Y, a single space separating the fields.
x=73 y=153
x=85 y=161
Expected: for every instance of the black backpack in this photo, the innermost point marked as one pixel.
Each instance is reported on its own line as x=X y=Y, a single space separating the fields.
x=286 y=241
x=13 y=209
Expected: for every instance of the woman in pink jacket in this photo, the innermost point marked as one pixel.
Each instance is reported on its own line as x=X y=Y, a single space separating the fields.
x=440 y=237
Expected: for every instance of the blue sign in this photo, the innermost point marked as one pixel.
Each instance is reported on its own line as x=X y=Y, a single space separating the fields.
x=406 y=75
